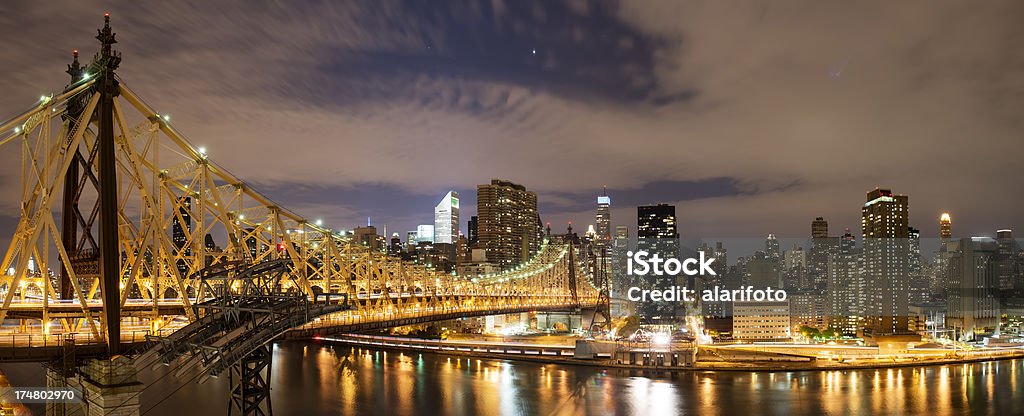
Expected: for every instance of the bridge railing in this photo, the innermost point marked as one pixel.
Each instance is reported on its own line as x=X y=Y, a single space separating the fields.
x=357 y=317
x=80 y=338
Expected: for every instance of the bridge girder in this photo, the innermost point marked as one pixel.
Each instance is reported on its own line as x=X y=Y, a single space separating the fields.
x=179 y=213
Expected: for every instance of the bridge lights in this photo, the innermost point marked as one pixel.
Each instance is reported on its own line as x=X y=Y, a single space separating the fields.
x=167 y=117
x=319 y=222
x=202 y=150
x=17 y=129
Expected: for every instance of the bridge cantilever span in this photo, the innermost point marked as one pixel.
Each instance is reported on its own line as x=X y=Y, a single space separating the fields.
x=127 y=231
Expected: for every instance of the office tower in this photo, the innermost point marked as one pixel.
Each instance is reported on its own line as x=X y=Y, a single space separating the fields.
x=211 y=248
x=446 y=219
x=914 y=239
x=256 y=249
x=819 y=228
x=603 y=237
x=885 y=231
x=657 y=222
x=410 y=240
x=771 y=247
x=823 y=248
x=367 y=237
x=945 y=227
x=972 y=304
x=620 y=245
x=846 y=287
x=710 y=282
x=473 y=233
x=1007 y=259
x=794 y=266
x=763 y=271
x=919 y=289
x=509 y=226
x=656 y=234
x=395 y=246
x=179 y=236
x=425 y=233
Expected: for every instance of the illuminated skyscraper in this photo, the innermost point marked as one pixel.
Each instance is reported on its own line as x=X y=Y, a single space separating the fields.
x=945 y=227
x=656 y=233
x=771 y=247
x=823 y=248
x=604 y=222
x=179 y=236
x=846 y=291
x=819 y=228
x=509 y=227
x=446 y=219
x=425 y=233
x=884 y=219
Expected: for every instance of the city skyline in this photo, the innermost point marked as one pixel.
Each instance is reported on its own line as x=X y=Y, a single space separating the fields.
x=827 y=100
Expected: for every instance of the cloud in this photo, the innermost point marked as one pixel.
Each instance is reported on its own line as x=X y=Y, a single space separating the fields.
x=801 y=106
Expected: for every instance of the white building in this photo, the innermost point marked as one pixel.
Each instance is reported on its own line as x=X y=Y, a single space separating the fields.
x=761 y=321
x=446 y=219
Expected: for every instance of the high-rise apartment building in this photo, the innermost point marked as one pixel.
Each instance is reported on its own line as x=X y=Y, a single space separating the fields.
x=884 y=224
x=846 y=291
x=509 y=227
x=446 y=219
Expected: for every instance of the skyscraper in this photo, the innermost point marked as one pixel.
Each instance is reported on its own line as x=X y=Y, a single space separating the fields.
x=846 y=286
x=819 y=228
x=473 y=231
x=179 y=236
x=446 y=219
x=884 y=219
x=657 y=234
x=603 y=237
x=945 y=227
x=823 y=248
x=972 y=305
x=425 y=233
x=771 y=247
x=1007 y=259
x=509 y=227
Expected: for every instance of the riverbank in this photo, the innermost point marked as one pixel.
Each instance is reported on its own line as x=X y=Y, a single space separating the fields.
x=565 y=354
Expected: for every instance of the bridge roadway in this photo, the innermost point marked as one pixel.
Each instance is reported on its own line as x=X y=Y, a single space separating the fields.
x=16 y=346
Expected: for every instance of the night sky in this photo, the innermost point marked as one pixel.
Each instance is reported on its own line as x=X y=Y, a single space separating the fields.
x=751 y=118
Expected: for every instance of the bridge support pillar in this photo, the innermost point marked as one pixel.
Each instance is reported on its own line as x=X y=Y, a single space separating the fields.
x=250 y=383
x=109 y=388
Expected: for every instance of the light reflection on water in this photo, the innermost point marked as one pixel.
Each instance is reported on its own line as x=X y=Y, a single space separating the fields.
x=324 y=379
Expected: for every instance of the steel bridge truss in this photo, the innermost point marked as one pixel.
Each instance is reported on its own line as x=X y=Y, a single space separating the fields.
x=180 y=215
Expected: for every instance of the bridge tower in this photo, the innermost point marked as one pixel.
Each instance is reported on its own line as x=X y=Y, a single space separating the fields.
x=90 y=236
x=110 y=251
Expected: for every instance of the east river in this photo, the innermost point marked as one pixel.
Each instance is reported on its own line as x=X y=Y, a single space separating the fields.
x=323 y=379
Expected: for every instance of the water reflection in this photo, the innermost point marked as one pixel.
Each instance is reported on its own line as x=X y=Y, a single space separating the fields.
x=318 y=379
